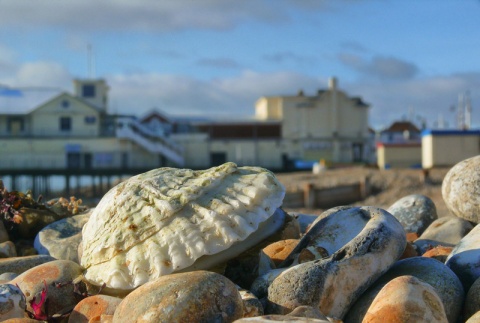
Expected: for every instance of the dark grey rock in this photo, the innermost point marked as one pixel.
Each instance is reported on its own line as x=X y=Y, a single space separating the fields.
x=415 y=212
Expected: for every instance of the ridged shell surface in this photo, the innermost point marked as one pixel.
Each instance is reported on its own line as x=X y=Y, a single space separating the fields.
x=161 y=221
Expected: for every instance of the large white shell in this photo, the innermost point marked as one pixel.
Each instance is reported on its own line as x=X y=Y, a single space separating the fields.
x=164 y=220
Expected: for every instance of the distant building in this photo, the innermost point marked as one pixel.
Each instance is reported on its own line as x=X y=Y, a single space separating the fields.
x=399 y=146
x=49 y=129
x=445 y=148
x=400 y=131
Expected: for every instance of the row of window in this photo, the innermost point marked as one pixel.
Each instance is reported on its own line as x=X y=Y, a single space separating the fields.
x=66 y=122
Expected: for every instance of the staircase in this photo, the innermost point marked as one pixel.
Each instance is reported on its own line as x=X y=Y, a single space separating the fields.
x=133 y=130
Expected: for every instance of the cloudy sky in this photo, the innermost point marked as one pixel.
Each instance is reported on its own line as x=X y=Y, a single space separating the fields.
x=408 y=59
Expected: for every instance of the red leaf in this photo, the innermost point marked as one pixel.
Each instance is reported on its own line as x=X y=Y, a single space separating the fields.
x=38 y=309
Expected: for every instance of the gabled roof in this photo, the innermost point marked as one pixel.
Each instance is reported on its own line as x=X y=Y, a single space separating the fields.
x=155 y=114
x=20 y=101
x=71 y=97
x=401 y=126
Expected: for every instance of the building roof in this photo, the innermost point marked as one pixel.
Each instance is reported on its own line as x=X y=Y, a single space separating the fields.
x=450 y=132
x=401 y=126
x=20 y=101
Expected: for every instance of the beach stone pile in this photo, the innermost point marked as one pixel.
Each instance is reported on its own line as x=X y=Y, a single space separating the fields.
x=348 y=264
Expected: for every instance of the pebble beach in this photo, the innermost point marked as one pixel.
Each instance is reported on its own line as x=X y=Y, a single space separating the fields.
x=410 y=256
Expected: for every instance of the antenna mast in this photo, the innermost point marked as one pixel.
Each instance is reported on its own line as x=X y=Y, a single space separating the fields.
x=91 y=61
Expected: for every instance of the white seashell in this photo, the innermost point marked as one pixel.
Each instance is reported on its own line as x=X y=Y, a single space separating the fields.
x=162 y=221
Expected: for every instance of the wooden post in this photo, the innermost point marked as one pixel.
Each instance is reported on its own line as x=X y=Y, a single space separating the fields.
x=67 y=185
x=309 y=196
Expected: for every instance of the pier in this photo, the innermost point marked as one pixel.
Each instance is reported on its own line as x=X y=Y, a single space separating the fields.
x=39 y=180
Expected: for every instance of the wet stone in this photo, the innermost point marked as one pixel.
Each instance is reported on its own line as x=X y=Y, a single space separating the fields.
x=463 y=259
x=472 y=300
x=415 y=212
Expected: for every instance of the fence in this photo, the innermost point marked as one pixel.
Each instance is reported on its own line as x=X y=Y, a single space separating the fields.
x=326 y=197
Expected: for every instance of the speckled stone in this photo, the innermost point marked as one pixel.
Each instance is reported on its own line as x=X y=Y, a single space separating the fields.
x=61 y=238
x=460 y=189
x=327 y=234
x=447 y=230
x=251 y=304
x=12 y=302
x=260 y=285
x=472 y=300
x=463 y=259
x=7 y=249
x=32 y=282
x=307 y=311
x=332 y=284
x=446 y=284
x=20 y=264
x=406 y=299
x=415 y=212
x=198 y=296
x=93 y=307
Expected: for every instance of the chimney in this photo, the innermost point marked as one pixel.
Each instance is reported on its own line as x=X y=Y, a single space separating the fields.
x=332 y=83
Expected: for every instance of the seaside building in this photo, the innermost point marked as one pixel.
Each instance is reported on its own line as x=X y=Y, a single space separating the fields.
x=48 y=129
x=399 y=146
x=445 y=148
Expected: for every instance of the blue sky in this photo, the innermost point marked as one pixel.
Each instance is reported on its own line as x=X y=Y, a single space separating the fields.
x=217 y=57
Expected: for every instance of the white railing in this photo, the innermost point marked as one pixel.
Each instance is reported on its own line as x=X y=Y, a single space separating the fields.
x=153 y=142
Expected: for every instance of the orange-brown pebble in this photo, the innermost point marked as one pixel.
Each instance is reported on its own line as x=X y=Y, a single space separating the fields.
x=279 y=250
x=412 y=236
x=102 y=319
x=439 y=252
x=93 y=307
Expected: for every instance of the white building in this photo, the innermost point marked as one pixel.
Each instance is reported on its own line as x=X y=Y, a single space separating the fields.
x=51 y=129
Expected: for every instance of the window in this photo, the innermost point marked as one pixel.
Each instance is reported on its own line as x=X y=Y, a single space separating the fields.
x=90 y=119
x=65 y=123
x=65 y=104
x=88 y=91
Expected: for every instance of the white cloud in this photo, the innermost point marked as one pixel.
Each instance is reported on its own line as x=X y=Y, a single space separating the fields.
x=7 y=61
x=232 y=97
x=48 y=74
x=228 y=97
x=429 y=98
